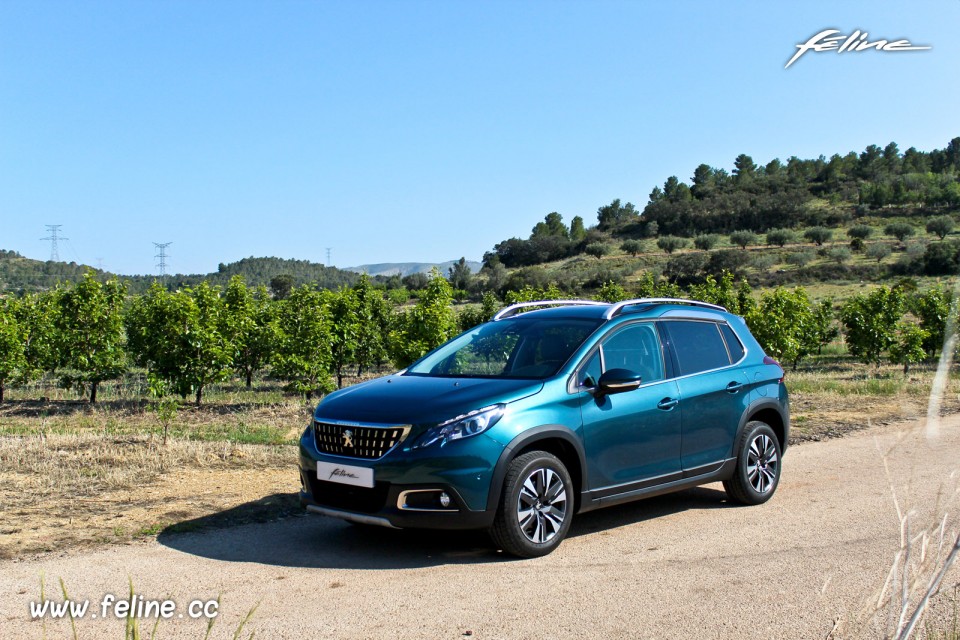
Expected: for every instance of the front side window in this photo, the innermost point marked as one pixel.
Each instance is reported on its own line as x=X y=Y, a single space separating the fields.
x=511 y=348
x=635 y=347
x=698 y=345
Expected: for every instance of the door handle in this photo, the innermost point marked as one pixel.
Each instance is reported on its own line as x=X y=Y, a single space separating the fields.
x=733 y=387
x=667 y=403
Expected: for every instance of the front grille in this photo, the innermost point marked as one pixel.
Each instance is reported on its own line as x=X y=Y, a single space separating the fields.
x=351 y=441
x=348 y=497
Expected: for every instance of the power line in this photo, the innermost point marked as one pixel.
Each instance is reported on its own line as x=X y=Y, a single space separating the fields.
x=162 y=246
x=54 y=230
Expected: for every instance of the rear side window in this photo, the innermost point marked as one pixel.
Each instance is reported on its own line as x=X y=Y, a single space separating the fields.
x=698 y=345
x=733 y=343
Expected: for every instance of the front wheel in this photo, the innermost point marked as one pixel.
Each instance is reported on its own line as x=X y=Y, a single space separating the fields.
x=536 y=506
x=758 y=465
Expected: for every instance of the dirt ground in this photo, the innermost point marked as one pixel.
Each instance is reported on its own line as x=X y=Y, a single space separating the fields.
x=824 y=558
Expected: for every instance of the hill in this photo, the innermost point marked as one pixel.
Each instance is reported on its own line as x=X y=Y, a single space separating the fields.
x=19 y=273
x=403 y=269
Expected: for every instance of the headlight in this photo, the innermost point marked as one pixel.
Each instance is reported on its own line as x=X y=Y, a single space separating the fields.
x=471 y=424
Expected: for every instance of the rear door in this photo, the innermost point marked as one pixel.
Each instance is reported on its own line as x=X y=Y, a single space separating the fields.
x=713 y=391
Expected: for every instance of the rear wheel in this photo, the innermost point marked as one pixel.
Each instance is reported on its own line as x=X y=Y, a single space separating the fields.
x=536 y=506
x=758 y=465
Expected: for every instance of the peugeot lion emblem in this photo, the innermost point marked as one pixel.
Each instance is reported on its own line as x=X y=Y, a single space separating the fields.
x=348 y=438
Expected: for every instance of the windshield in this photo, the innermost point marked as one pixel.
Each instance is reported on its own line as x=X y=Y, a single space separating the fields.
x=512 y=348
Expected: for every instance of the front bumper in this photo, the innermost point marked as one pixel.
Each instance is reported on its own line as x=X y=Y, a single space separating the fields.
x=464 y=472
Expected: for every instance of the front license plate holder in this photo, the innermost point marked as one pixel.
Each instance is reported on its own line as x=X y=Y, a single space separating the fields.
x=345 y=474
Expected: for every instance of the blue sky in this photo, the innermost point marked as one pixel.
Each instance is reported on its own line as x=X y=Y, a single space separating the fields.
x=420 y=131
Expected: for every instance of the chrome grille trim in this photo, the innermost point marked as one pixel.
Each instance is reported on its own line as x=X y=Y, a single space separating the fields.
x=363 y=442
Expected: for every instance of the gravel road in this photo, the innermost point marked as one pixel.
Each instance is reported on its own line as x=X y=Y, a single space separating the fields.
x=683 y=566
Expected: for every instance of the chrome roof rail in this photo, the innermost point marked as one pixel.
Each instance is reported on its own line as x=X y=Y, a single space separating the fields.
x=618 y=307
x=512 y=309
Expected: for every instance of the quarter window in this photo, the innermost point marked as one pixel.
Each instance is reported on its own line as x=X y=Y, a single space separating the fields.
x=698 y=346
x=733 y=343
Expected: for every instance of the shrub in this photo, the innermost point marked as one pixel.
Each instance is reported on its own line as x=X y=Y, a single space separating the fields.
x=878 y=251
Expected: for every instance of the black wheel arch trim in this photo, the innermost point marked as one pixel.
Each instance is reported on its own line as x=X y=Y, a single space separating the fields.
x=522 y=441
x=756 y=406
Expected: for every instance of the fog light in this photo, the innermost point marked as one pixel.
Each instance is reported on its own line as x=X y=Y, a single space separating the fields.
x=444 y=500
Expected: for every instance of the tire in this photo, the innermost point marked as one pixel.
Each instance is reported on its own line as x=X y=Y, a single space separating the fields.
x=536 y=506
x=758 y=465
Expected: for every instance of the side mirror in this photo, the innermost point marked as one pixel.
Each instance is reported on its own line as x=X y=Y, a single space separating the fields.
x=618 y=381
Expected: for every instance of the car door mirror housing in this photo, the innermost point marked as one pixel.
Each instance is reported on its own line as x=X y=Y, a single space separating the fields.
x=618 y=381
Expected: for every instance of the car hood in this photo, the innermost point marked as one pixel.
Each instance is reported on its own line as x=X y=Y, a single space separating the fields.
x=410 y=399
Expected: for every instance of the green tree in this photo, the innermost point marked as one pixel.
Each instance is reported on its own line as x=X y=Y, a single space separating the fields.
x=89 y=324
x=784 y=325
x=780 y=237
x=870 y=322
x=941 y=226
x=633 y=247
x=36 y=314
x=932 y=308
x=429 y=324
x=183 y=338
x=375 y=317
x=824 y=331
x=839 y=254
x=281 y=286
x=860 y=231
x=818 y=235
x=743 y=239
x=460 y=276
x=669 y=244
x=611 y=292
x=907 y=347
x=302 y=357
x=899 y=230
x=251 y=318
x=597 y=249
x=577 y=231
x=878 y=251
x=343 y=310
x=470 y=318
x=552 y=225
x=800 y=258
x=12 y=359
x=706 y=241
x=615 y=214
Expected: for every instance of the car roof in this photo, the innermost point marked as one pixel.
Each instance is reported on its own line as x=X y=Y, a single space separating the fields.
x=591 y=310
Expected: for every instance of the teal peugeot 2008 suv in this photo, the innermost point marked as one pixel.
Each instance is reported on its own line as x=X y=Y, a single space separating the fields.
x=550 y=409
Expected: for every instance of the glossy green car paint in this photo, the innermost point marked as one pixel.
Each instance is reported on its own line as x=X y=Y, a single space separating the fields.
x=618 y=439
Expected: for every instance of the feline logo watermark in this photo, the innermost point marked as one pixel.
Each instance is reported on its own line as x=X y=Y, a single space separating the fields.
x=826 y=40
